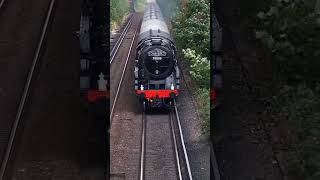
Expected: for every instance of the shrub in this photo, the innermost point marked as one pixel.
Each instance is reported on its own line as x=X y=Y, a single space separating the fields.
x=192 y=27
x=118 y=9
x=199 y=67
x=191 y=30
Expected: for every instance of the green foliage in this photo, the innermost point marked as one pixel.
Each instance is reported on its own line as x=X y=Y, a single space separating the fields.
x=199 y=67
x=139 y=5
x=191 y=29
x=118 y=9
x=290 y=28
x=299 y=109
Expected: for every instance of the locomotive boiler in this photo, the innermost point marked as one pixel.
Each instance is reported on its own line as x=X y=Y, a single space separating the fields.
x=157 y=76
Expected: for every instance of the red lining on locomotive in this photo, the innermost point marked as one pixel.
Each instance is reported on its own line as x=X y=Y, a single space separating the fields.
x=162 y=93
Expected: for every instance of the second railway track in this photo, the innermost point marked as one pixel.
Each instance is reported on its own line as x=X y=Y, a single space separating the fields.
x=115 y=45
x=120 y=58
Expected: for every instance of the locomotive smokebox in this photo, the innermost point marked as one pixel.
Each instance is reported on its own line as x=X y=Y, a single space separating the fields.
x=157 y=61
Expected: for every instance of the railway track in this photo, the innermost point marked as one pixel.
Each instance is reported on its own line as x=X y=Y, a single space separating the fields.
x=160 y=157
x=127 y=56
x=27 y=87
x=115 y=46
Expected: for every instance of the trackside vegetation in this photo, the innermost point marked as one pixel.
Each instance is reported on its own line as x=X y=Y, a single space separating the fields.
x=191 y=30
x=118 y=9
x=290 y=29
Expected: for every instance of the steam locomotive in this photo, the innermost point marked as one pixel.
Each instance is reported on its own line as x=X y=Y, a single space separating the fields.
x=157 y=76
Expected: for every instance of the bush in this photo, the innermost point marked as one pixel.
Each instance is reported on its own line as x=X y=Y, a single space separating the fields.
x=191 y=30
x=118 y=9
x=191 y=27
x=199 y=67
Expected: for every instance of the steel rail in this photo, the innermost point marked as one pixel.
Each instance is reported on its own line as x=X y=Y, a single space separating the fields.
x=25 y=92
x=122 y=76
x=175 y=145
x=182 y=141
x=143 y=139
x=120 y=40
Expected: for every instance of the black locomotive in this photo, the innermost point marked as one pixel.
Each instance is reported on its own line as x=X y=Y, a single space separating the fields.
x=157 y=76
